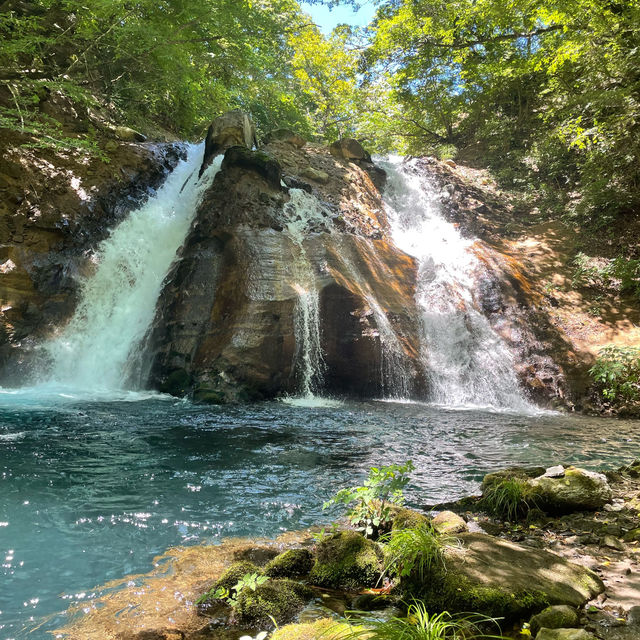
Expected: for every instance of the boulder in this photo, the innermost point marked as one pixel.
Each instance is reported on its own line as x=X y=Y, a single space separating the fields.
x=576 y=490
x=404 y=518
x=347 y=560
x=276 y=601
x=285 y=135
x=564 y=634
x=349 y=149
x=293 y=563
x=447 y=522
x=557 y=617
x=233 y=128
x=499 y=578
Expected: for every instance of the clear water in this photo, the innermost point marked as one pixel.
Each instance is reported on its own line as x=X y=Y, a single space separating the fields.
x=466 y=361
x=91 y=489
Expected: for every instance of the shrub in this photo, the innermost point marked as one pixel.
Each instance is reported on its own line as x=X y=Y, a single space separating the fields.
x=617 y=373
x=414 y=551
x=372 y=503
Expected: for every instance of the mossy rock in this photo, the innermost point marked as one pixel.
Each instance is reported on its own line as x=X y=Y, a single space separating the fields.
x=325 y=629
x=293 y=563
x=499 y=578
x=234 y=573
x=177 y=383
x=557 y=617
x=407 y=518
x=564 y=634
x=279 y=600
x=347 y=560
x=577 y=490
x=447 y=522
x=206 y=395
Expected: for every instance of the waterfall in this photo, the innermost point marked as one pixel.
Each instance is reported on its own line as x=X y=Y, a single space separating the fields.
x=301 y=212
x=117 y=302
x=466 y=361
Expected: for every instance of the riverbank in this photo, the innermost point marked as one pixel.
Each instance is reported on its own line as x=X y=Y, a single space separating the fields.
x=587 y=561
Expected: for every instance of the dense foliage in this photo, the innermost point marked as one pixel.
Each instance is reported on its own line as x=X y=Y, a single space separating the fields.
x=543 y=91
x=170 y=64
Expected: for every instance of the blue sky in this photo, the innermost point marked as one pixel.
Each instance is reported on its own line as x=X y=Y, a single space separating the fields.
x=327 y=19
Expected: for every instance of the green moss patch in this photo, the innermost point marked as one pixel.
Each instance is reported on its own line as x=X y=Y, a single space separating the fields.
x=347 y=561
x=294 y=563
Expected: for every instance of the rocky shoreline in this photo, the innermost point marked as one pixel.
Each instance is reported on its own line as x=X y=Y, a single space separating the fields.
x=560 y=561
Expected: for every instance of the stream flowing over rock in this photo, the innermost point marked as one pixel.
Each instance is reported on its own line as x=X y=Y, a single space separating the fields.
x=296 y=277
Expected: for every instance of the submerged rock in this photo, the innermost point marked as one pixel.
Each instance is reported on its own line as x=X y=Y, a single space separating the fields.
x=503 y=579
x=347 y=561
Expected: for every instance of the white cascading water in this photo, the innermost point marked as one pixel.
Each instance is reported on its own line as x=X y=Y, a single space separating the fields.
x=302 y=211
x=118 y=300
x=466 y=361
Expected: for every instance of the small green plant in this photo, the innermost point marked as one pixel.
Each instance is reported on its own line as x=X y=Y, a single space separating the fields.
x=509 y=499
x=249 y=581
x=419 y=624
x=414 y=551
x=372 y=503
x=617 y=373
x=324 y=533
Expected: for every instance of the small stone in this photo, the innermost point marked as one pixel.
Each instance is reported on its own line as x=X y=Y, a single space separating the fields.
x=632 y=536
x=613 y=543
x=634 y=616
x=554 y=472
x=448 y=522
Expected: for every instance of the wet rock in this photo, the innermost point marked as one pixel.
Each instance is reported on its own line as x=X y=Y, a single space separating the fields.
x=576 y=490
x=153 y=634
x=564 y=634
x=255 y=161
x=285 y=135
x=556 y=617
x=503 y=579
x=447 y=522
x=256 y=555
x=293 y=563
x=226 y=320
x=274 y=600
x=347 y=561
x=233 y=128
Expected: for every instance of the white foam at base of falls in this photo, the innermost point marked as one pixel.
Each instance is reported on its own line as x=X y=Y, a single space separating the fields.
x=118 y=301
x=466 y=361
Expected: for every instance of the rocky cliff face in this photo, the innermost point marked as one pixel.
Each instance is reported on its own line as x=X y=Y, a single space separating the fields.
x=258 y=254
x=55 y=207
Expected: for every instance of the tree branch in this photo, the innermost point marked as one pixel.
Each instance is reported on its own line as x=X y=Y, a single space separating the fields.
x=467 y=44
